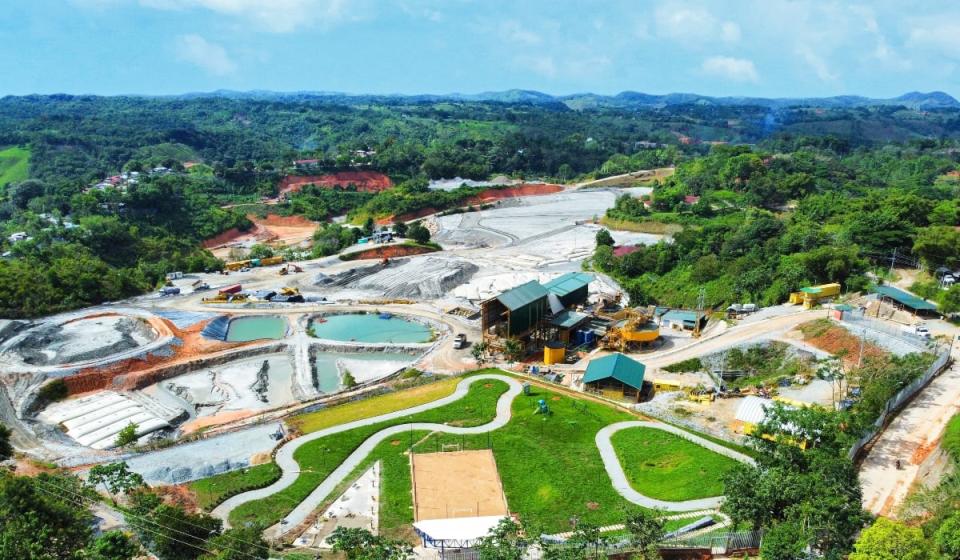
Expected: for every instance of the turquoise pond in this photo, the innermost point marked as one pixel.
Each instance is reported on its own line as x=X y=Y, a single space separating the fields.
x=256 y=328
x=358 y=327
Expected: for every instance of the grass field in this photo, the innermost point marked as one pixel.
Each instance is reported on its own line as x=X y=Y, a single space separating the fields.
x=951 y=438
x=367 y=408
x=648 y=226
x=663 y=466
x=211 y=491
x=320 y=457
x=14 y=165
x=549 y=465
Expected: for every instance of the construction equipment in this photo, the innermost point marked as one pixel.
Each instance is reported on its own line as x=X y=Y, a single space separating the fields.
x=288 y=268
x=226 y=298
x=231 y=289
x=253 y=263
x=630 y=326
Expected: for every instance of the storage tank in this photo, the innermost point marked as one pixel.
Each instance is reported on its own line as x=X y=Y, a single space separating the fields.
x=554 y=353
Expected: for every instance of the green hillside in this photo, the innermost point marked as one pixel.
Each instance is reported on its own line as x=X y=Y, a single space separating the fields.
x=14 y=165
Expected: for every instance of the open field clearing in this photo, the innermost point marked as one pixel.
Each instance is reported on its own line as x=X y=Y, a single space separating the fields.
x=14 y=165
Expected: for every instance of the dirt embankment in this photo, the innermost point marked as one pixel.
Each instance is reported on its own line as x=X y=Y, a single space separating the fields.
x=192 y=345
x=390 y=252
x=526 y=189
x=485 y=197
x=289 y=230
x=839 y=341
x=365 y=181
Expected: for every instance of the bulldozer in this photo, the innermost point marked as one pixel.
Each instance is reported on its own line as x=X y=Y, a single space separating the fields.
x=630 y=326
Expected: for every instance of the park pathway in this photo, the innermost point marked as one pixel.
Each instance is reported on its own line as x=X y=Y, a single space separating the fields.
x=619 y=478
x=291 y=469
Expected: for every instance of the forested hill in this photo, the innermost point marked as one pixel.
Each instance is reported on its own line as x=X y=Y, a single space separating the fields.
x=88 y=241
x=85 y=137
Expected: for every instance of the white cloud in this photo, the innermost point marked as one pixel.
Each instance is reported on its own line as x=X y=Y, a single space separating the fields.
x=730 y=68
x=693 y=25
x=210 y=56
x=941 y=36
x=277 y=16
x=539 y=64
x=514 y=32
x=816 y=63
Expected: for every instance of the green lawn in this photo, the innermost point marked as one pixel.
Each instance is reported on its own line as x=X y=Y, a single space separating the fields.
x=550 y=466
x=14 y=165
x=320 y=457
x=666 y=467
x=211 y=491
x=375 y=406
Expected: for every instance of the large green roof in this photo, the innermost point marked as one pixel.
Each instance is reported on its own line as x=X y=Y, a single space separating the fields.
x=522 y=295
x=904 y=298
x=616 y=366
x=568 y=283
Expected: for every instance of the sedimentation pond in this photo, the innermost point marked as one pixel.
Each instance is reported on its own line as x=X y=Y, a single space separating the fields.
x=244 y=329
x=370 y=327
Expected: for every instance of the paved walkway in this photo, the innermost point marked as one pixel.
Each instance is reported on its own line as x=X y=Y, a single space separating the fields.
x=291 y=469
x=911 y=437
x=619 y=479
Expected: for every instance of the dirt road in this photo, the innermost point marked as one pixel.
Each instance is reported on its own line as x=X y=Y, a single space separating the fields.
x=911 y=437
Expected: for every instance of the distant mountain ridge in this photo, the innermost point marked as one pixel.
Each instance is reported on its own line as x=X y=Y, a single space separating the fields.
x=627 y=99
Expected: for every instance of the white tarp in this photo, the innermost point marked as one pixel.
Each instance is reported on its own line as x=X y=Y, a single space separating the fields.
x=457 y=529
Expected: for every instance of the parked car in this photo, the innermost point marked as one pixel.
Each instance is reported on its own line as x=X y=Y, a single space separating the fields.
x=916 y=330
x=460 y=341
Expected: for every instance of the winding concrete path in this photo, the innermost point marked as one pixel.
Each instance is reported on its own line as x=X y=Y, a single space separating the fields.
x=619 y=479
x=291 y=469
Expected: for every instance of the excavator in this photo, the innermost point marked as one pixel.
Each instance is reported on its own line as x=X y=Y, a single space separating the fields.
x=288 y=268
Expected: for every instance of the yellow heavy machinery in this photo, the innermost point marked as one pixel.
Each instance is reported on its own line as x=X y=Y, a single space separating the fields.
x=252 y=263
x=812 y=295
x=226 y=298
x=630 y=326
x=288 y=291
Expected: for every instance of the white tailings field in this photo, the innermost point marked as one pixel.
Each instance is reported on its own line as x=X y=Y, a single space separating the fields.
x=243 y=385
x=96 y=420
x=78 y=340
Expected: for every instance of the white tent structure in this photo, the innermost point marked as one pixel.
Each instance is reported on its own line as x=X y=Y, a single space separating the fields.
x=460 y=532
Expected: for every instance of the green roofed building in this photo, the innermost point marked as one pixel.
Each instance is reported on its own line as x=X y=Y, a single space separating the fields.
x=516 y=312
x=903 y=299
x=570 y=288
x=615 y=376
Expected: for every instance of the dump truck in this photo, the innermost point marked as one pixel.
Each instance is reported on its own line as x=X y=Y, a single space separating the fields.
x=231 y=289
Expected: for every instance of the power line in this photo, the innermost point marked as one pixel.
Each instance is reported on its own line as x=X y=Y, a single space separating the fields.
x=87 y=501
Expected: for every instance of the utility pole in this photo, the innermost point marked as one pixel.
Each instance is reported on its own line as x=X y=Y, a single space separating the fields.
x=893 y=259
x=701 y=299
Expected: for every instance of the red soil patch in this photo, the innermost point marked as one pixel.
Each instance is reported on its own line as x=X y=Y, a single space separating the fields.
x=228 y=236
x=178 y=495
x=485 y=197
x=283 y=221
x=391 y=252
x=835 y=339
x=409 y=216
x=365 y=181
x=526 y=189
x=134 y=373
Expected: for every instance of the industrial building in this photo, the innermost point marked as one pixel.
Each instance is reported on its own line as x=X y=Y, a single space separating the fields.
x=907 y=301
x=615 y=376
x=814 y=295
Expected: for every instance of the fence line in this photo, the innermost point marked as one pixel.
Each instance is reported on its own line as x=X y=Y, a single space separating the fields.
x=895 y=402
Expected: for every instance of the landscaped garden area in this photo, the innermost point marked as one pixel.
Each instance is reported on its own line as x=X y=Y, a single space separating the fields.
x=549 y=464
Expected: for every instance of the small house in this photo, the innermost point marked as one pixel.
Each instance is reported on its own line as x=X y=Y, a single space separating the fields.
x=615 y=376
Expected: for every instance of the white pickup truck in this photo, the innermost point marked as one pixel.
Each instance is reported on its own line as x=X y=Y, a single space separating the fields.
x=916 y=330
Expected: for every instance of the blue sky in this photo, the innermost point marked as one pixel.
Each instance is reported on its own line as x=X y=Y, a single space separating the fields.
x=745 y=47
